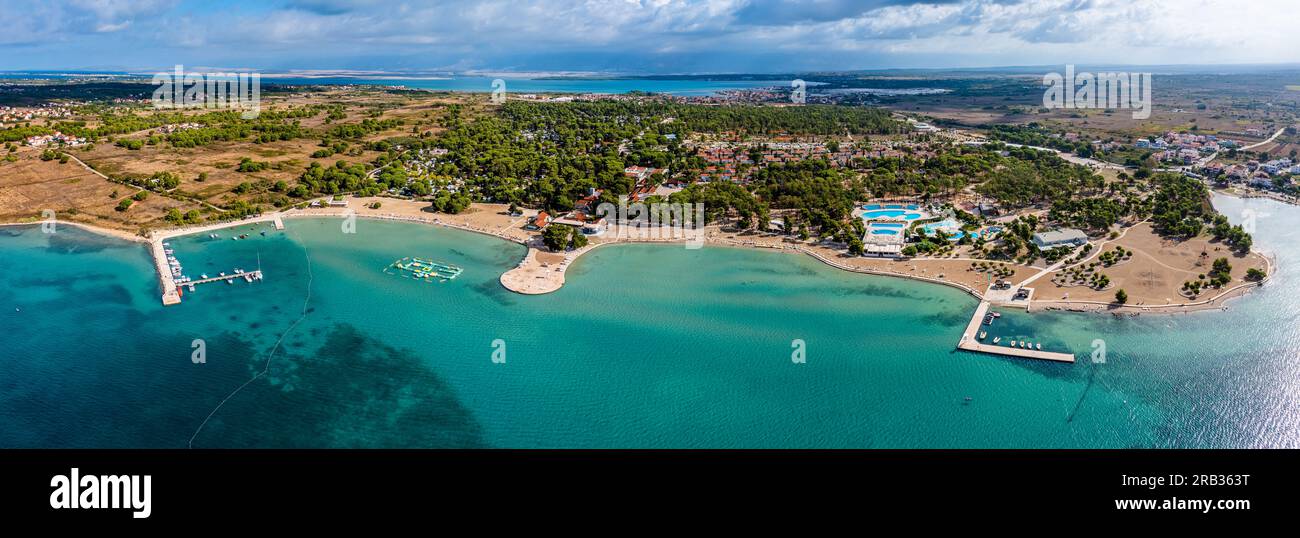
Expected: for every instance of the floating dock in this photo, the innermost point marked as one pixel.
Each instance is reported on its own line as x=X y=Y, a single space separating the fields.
x=970 y=342
x=426 y=270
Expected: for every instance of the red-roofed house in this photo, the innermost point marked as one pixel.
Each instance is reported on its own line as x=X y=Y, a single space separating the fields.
x=540 y=221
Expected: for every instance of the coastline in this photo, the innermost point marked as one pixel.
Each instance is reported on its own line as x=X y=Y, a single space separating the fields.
x=108 y=232
x=541 y=271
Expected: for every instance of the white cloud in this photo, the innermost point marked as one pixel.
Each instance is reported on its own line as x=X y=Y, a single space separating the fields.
x=671 y=34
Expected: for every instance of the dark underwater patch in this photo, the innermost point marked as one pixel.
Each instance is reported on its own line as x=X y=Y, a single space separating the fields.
x=951 y=318
x=353 y=391
x=873 y=290
x=63 y=242
x=768 y=268
x=492 y=289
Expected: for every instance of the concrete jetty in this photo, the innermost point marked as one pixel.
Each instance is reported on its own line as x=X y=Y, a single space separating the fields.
x=170 y=295
x=970 y=342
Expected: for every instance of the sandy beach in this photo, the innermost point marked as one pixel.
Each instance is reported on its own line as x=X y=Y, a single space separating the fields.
x=1151 y=282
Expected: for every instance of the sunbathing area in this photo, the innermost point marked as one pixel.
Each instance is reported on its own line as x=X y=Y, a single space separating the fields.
x=1152 y=274
x=1152 y=271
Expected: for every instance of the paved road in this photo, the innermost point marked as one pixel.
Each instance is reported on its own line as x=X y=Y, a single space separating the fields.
x=1269 y=139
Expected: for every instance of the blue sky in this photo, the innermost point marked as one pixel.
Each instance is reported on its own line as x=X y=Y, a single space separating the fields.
x=638 y=36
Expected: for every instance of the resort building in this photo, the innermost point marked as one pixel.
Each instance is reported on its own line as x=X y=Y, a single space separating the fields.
x=588 y=203
x=1059 y=238
x=540 y=221
x=587 y=224
x=884 y=239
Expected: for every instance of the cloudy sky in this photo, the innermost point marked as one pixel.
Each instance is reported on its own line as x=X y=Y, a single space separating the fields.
x=639 y=36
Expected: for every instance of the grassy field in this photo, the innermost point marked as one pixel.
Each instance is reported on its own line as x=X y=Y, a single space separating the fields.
x=31 y=184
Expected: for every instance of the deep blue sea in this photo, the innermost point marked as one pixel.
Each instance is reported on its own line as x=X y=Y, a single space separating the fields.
x=693 y=87
x=645 y=346
x=684 y=87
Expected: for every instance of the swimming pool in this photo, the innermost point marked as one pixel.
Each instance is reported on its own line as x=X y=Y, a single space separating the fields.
x=895 y=214
x=950 y=227
x=871 y=207
x=884 y=232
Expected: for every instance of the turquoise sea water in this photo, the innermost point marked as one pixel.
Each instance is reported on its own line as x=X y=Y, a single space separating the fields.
x=645 y=346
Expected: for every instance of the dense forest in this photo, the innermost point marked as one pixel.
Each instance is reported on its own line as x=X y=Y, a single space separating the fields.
x=550 y=154
x=547 y=155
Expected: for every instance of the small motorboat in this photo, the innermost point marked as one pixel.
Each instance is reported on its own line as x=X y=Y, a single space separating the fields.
x=997 y=339
x=983 y=334
x=1039 y=346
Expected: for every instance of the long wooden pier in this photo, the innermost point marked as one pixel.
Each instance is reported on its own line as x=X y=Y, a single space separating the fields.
x=970 y=342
